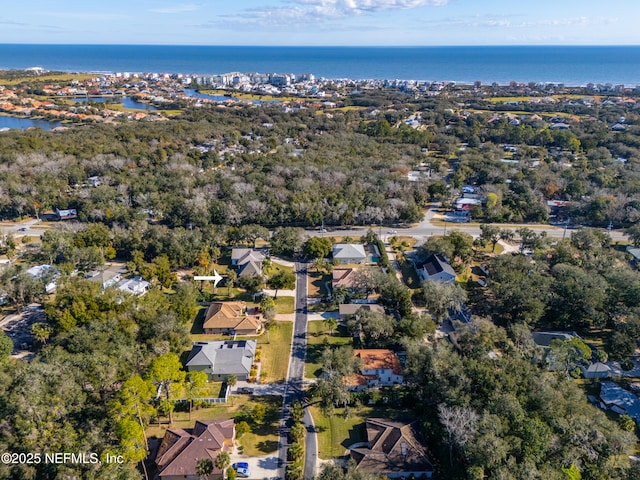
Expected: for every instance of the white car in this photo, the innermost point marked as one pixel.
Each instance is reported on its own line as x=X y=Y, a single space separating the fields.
x=242 y=472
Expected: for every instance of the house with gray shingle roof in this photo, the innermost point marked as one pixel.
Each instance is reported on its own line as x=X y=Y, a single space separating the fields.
x=248 y=261
x=621 y=401
x=222 y=358
x=435 y=268
x=349 y=253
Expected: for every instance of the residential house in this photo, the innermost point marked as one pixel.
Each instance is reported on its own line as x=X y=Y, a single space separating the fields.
x=437 y=269
x=345 y=253
x=589 y=370
x=556 y=206
x=181 y=449
x=467 y=204
x=135 y=286
x=544 y=339
x=621 y=401
x=349 y=309
x=344 y=277
x=94 y=181
x=379 y=367
x=231 y=317
x=393 y=449
x=69 y=214
x=596 y=370
x=107 y=278
x=248 y=261
x=223 y=358
x=634 y=252
x=47 y=274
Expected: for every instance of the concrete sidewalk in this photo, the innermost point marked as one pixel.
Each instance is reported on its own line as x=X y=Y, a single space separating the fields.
x=281 y=293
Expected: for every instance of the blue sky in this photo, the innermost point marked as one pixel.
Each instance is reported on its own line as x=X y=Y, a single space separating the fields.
x=323 y=22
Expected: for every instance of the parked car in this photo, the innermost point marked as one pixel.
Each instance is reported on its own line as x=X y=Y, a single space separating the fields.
x=238 y=465
x=243 y=472
x=245 y=390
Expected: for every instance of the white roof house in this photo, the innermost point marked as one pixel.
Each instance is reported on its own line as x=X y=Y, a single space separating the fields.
x=134 y=286
x=349 y=253
x=40 y=271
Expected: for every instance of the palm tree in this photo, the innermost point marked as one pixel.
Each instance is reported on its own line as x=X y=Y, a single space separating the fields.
x=204 y=468
x=331 y=324
x=223 y=461
x=41 y=332
x=231 y=278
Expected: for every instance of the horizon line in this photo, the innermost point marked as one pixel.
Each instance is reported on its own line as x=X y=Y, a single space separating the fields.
x=320 y=46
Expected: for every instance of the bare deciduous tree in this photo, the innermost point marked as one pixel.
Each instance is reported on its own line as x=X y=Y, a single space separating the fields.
x=460 y=425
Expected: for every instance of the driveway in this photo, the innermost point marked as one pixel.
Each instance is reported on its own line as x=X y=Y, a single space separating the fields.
x=324 y=315
x=260 y=389
x=264 y=467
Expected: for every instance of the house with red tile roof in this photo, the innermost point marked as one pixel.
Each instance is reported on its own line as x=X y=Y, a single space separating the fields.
x=379 y=367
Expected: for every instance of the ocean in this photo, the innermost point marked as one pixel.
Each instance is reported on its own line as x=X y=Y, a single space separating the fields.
x=571 y=65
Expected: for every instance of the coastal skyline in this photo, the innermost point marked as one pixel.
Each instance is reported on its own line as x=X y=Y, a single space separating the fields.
x=323 y=22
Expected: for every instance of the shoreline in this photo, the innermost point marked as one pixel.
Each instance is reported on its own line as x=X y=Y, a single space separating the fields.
x=574 y=66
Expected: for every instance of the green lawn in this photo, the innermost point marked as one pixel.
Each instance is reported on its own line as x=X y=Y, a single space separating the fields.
x=276 y=348
x=317 y=332
x=274 y=268
x=406 y=242
x=336 y=433
x=488 y=248
x=210 y=390
x=285 y=305
x=263 y=437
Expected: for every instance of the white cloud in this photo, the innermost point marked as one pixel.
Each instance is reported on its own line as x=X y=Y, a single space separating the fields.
x=513 y=22
x=180 y=8
x=319 y=11
x=362 y=6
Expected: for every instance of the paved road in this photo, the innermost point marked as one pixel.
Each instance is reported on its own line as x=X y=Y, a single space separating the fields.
x=30 y=228
x=295 y=377
x=425 y=229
